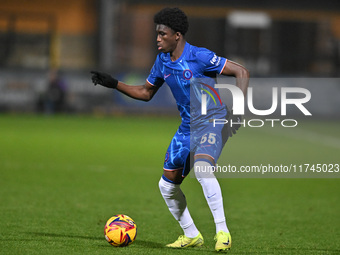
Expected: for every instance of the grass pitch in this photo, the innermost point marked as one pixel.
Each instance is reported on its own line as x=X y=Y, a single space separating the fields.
x=62 y=177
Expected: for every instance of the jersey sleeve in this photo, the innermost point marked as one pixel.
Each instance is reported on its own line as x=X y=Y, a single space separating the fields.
x=156 y=77
x=210 y=61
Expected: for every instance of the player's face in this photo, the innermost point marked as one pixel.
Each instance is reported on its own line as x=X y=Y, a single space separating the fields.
x=166 y=38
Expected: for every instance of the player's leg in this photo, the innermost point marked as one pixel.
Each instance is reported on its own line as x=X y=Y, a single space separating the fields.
x=212 y=192
x=211 y=188
x=169 y=186
x=204 y=161
x=175 y=161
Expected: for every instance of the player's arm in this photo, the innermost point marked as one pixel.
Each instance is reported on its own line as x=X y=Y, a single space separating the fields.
x=242 y=81
x=141 y=92
x=239 y=72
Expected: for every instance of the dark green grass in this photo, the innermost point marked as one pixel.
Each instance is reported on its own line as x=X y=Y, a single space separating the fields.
x=62 y=177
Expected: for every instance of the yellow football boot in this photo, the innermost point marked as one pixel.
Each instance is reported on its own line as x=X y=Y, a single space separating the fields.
x=184 y=242
x=223 y=241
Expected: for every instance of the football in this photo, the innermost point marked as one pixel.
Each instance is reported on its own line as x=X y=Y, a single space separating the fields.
x=120 y=230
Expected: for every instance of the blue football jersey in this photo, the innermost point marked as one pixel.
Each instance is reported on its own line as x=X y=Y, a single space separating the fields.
x=191 y=75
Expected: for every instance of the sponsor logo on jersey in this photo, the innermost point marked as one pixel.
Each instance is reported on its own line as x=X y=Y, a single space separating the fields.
x=215 y=60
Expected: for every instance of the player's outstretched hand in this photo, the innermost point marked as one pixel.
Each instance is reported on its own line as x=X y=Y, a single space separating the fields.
x=234 y=123
x=104 y=79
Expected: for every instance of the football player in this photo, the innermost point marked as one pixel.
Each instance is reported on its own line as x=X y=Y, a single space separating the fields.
x=188 y=70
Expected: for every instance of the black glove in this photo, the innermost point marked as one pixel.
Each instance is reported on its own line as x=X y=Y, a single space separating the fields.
x=234 y=123
x=104 y=79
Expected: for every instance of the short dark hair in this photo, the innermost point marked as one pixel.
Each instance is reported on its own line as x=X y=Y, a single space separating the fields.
x=174 y=18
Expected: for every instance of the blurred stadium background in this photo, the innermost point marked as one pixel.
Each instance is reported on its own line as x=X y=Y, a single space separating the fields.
x=62 y=177
x=70 y=38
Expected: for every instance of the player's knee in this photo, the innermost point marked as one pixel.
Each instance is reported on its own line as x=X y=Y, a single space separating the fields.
x=167 y=188
x=203 y=169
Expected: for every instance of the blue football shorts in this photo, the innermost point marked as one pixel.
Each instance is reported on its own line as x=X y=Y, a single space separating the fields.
x=195 y=140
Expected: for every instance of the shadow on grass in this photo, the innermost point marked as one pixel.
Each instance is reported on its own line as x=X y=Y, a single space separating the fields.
x=160 y=248
x=148 y=244
x=140 y=243
x=44 y=234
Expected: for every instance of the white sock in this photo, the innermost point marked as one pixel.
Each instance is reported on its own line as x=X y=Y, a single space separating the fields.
x=177 y=204
x=212 y=192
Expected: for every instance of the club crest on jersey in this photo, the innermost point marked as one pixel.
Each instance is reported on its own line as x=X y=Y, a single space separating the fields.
x=187 y=74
